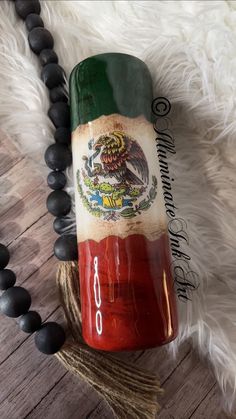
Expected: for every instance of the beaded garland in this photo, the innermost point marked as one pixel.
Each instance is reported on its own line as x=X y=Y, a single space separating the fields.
x=16 y=301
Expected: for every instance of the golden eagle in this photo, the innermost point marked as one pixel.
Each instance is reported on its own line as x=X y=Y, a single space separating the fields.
x=117 y=149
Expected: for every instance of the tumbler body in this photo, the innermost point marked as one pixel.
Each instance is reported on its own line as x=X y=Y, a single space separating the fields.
x=126 y=285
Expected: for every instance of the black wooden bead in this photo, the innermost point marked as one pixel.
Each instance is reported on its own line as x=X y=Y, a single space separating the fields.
x=25 y=7
x=59 y=203
x=53 y=75
x=7 y=279
x=39 y=39
x=15 y=301
x=50 y=338
x=48 y=56
x=58 y=157
x=56 y=180
x=4 y=256
x=30 y=322
x=66 y=248
x=60 y=224
x=62 y=135
x=33 y=21
x=58 y=94
x=59 y=113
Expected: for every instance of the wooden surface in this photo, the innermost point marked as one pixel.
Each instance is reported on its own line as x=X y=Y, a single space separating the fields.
x=35 y=386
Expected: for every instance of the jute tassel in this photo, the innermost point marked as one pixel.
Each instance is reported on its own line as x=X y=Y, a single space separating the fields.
x=129 y=390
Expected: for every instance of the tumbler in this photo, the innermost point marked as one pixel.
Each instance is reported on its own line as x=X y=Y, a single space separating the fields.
x=126 y=284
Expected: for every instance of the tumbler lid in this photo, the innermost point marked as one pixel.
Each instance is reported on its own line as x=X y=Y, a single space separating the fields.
x=110 y=83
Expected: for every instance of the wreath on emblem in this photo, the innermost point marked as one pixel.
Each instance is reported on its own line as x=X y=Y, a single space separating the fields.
x=115 y=178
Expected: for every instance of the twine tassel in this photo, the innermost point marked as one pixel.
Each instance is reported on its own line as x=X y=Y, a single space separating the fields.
x=130 y=391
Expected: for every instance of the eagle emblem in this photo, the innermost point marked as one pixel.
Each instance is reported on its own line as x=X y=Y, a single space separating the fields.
x=113 y=182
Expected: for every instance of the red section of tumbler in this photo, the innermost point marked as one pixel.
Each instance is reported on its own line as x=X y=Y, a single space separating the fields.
x=127 y=295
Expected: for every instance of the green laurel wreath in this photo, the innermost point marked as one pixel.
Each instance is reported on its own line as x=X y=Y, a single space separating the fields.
x=143 y=205
x=97 y=212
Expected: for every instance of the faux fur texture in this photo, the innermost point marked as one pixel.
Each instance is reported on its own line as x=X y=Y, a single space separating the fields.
x=190 y=48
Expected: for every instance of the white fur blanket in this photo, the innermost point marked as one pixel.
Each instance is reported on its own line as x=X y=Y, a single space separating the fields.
x=190 y=48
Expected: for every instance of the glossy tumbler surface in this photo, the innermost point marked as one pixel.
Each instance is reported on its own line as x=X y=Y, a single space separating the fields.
x=127 y=291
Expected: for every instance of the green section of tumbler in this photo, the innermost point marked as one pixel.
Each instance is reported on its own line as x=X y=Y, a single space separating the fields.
x=110 y=83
